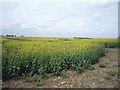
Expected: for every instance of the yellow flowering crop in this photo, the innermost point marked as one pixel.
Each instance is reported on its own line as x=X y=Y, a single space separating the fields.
x=34 y=55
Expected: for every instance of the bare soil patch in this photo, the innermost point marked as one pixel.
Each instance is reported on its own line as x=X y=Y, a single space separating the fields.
x=96 y=77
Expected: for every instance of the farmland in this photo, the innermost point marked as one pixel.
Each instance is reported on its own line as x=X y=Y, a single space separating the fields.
x=36 y=56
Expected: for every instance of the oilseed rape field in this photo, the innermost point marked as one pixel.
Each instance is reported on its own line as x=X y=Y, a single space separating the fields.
x=23 y=56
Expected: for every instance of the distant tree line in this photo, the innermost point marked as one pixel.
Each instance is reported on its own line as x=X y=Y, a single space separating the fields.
x=11 y=35
x=82 y=37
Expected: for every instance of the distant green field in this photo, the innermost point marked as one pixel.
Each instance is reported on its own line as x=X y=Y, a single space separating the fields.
x=38 y=56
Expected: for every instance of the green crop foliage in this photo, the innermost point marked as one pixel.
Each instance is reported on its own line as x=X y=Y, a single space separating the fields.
x=107 y=78
x=63 y=75
x=38 y=56
x=112 y=73
x=102 y=66
x=116 y=65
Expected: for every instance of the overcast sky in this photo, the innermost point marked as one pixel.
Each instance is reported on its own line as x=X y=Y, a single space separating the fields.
x=60 y=19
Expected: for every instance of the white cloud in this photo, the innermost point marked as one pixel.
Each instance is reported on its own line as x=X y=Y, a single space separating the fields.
x=59 y=0
x=57 y=19
x=97 y=15
x=79 y=24
x=23 y=26
x=0 y=19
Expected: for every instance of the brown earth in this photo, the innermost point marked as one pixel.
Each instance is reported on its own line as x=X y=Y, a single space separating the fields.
x=96 y=77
